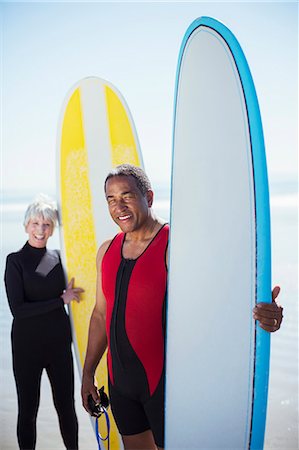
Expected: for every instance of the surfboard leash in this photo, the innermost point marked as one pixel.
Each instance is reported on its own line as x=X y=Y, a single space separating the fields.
x=98 y=435
x=97 y=410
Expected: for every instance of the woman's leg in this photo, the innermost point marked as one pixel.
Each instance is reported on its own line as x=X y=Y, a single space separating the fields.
x=27 y=374
x=61 y=375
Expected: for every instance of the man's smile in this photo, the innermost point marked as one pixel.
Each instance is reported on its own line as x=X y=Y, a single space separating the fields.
x=124 y=217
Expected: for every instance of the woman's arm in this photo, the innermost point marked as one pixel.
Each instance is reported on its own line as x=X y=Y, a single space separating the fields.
x=20 y=308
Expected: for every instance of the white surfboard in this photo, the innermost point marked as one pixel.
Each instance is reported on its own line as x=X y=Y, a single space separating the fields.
x=217 y=357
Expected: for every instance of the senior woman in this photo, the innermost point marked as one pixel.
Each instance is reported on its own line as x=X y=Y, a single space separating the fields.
x=41 y=333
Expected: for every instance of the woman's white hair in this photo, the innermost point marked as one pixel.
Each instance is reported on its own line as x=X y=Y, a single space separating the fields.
x=42 y=206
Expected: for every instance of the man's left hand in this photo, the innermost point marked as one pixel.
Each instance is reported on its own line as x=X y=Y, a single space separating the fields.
x=269 y=315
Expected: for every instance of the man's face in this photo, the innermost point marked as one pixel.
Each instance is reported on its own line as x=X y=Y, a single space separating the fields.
x=128 y=207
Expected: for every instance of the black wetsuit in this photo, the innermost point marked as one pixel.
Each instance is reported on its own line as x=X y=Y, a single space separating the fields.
x=41 y=339
x=135 y=292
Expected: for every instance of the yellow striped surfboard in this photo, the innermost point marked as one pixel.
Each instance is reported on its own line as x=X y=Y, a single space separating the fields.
x=96 y=133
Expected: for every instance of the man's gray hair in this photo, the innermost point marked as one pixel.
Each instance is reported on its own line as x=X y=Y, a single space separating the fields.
x=128 y=170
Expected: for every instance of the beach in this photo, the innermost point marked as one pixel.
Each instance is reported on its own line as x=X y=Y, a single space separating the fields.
x=282 y=418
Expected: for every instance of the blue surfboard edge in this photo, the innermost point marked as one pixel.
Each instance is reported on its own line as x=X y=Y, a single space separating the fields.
x=262 y=212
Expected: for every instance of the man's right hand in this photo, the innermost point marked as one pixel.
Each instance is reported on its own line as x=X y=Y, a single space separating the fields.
x=88 y=388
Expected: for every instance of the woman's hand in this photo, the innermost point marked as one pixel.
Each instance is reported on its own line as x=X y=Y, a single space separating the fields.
x=71 y=293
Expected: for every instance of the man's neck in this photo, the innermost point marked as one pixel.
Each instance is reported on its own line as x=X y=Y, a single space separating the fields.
x=147 y=231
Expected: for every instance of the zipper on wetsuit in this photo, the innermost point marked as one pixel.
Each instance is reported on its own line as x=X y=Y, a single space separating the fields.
x=116 y=308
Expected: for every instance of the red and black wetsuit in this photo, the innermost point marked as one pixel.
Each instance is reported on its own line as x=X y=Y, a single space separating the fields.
x=135 y=291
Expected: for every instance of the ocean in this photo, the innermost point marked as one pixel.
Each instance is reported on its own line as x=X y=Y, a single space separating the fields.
x=282 y=416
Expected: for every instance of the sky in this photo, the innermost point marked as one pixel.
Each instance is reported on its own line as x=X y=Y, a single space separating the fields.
x=46 y=47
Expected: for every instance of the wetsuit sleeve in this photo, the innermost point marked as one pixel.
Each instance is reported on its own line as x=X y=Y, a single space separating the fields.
x=20 y=308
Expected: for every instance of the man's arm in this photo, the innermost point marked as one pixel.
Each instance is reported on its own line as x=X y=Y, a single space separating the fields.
x=97 y=338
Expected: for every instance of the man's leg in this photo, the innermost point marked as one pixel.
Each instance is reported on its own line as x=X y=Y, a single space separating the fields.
x=141 y=441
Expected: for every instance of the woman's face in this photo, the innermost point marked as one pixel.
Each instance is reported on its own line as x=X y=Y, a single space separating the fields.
x=39 y=231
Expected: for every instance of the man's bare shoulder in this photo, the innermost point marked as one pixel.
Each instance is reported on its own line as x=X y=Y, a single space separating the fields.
x=102 y=250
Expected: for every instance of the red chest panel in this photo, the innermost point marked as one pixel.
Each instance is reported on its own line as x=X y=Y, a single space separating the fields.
x=145 y=302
